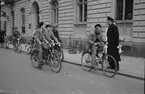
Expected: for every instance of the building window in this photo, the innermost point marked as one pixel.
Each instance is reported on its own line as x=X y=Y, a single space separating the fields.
x=23 y=19
x=3 y=21
x=82 y=10
x=124 y=9
x=54 y=4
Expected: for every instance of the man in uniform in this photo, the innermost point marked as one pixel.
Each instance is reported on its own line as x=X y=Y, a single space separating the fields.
x=113 y=41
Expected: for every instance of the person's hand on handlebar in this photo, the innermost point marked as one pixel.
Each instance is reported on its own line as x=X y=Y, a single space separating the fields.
x=96 y=44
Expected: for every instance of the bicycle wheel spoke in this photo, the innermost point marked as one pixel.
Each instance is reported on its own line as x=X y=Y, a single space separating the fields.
x=86 y=62
x=109 y=66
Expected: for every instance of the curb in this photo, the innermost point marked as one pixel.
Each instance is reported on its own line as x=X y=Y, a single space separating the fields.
x=118 y=73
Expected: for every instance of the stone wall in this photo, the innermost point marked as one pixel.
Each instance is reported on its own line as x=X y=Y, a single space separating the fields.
x=139 y=21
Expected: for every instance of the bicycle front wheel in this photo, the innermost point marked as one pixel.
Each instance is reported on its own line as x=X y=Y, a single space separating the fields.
x=18 y=48
x=28 y=48
x=109 y=66
x=55 y=62
x=86 y=61
x=34 y=58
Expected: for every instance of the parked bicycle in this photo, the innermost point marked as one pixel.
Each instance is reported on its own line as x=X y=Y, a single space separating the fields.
x=60 y=51
x=104 y=59
x=120 y=45
x=52 y=59
x=17 y=45
x=75 y=46
x=29 y=46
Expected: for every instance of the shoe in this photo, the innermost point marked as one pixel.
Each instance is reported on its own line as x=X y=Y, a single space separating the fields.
x=40 y=66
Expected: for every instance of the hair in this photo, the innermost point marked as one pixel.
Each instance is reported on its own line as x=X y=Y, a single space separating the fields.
x=48 y=25
x=15 y=28
x=41 y=24
x=98 y=25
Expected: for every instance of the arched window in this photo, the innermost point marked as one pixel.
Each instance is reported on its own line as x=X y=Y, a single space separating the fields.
x=54 y=4
x=3 y=21
x=23 y=19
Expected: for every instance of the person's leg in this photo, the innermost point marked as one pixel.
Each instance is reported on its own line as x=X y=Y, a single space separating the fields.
x=93 y=54
x=117 y=65
x=40 y=55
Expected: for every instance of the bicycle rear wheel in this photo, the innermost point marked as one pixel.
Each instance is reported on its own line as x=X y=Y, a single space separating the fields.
x=86 y=61
x=18 y=48
x=7 y=43
x=61 y=55
x=55 y=62
x=34 y=58
x=109 y=66
x=28 y=48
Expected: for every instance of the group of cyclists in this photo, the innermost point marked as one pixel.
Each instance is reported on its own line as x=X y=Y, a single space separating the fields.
x=43 y=36
x=46 y=34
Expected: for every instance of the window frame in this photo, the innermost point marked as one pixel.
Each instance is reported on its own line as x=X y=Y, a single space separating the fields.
x=55 y=11
x=23 y=20
x=83 y=11
x=124 y=10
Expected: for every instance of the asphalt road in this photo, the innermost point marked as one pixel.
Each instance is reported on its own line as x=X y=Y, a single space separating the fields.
x=18 y=75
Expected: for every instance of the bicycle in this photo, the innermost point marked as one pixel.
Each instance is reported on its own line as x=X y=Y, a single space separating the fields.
x=103 y=59
x=8 y=41
x=74 y=46
x=29 y=46
x=60 y=51
x=52 y=59
x=17 y=44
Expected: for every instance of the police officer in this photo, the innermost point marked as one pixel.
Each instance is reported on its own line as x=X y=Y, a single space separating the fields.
x=113 y=41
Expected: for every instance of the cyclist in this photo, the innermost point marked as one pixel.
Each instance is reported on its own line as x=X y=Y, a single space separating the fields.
x=49 y=35
x=95 y=38
x=39 y=39
x=15 y=35
x=56 y=34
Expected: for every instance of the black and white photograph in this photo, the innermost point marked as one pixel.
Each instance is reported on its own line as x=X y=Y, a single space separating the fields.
x=72 y=46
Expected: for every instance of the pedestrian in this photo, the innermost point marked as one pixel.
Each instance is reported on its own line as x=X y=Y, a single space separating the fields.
x=113 y=41
x=2 y=37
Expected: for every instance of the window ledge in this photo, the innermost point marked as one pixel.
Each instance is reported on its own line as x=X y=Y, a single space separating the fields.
x=124 y=21
x=83 y=23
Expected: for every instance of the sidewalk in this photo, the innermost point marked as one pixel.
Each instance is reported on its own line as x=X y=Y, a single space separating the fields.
x=133 y=66
x=129 y=65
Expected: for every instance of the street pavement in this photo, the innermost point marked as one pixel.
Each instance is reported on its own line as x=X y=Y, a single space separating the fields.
x=18 y=75
x=132 y=66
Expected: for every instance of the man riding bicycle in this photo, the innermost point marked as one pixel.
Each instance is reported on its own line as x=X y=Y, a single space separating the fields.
x=95 y=38
x=15 y=35
x=39 y=41
x=56 y=34
x=50 y=37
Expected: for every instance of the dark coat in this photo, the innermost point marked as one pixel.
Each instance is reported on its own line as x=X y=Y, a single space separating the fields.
x=56 y=34
x=2 y=36
x=113 y=41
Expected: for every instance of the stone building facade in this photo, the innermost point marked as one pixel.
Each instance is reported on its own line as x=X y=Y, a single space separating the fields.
x=75 y=17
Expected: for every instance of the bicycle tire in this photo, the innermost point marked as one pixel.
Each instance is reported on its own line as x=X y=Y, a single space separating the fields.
x=89 y=66
x=107 y=71
x=28 y=48
x=7 y=42
x=18 y=48
x=55 y=57
x=61 y=55
x=34 y=57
